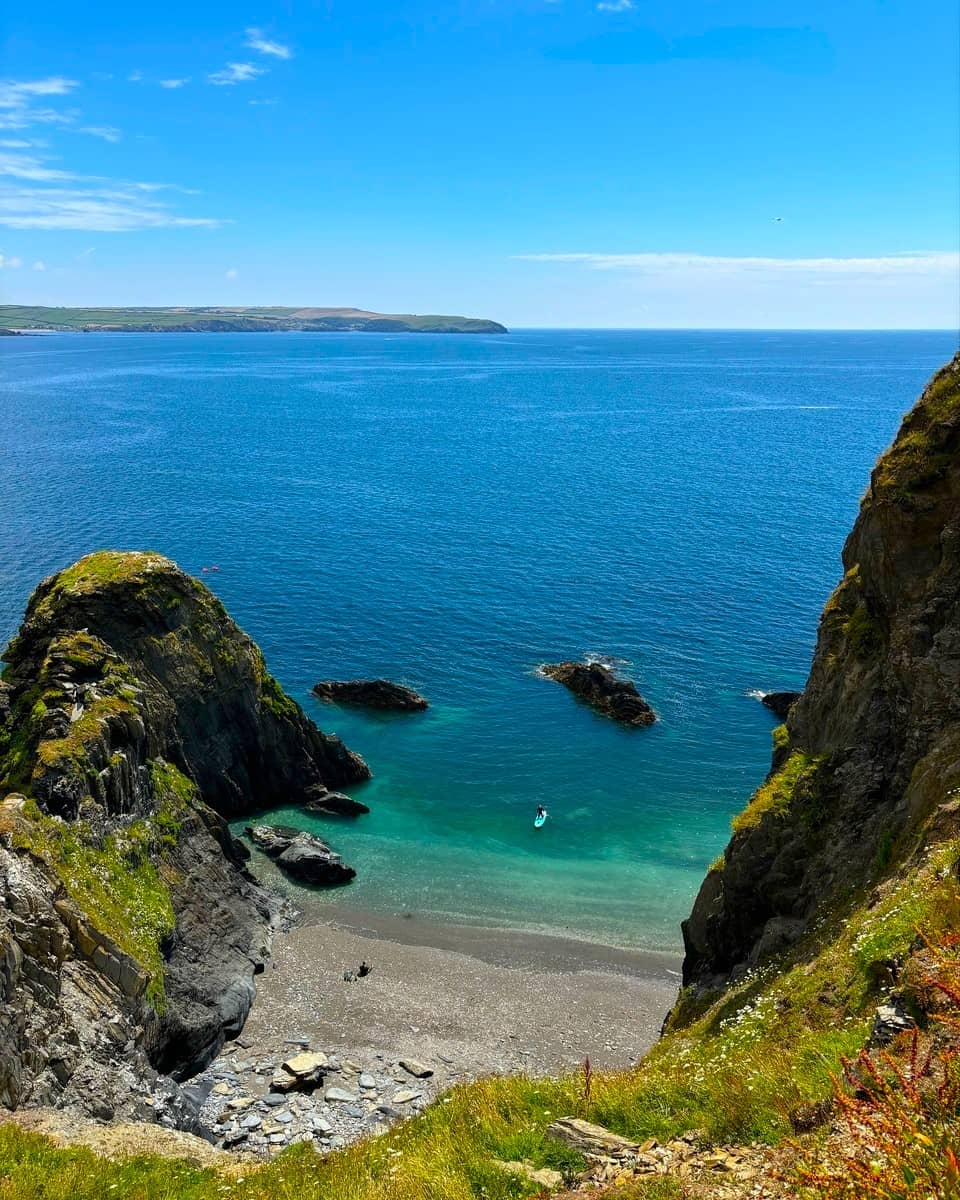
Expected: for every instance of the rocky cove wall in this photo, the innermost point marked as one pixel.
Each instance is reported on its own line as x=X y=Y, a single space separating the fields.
x=136 y=717
x=873 y=744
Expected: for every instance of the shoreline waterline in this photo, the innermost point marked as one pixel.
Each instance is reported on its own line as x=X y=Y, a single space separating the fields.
x=499 y=947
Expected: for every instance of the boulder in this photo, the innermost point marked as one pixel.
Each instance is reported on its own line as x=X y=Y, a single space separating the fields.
x=309 y=860
x=303 y=856
x=299 y=1073
x=780 y=703
x=593 y=1141
x=306 y=1063
x=416 y=1069
x=890 y=1020
x=371 y=693
x=595 y=683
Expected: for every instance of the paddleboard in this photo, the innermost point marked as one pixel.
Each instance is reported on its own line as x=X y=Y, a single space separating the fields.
x=538 y=821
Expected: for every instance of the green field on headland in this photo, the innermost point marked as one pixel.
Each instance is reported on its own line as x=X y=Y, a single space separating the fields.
x=233 y=319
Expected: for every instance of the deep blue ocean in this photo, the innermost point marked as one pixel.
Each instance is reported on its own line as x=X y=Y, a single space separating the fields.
x=451 y=511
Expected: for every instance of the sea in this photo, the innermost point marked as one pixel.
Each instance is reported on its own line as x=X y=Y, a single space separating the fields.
x=451 y=511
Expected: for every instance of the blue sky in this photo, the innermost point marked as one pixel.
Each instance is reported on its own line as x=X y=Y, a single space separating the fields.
x=542 y=162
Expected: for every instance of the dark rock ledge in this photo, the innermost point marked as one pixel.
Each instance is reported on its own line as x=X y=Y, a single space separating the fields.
x=615 y=698
x=371 y=693
x=780 y=703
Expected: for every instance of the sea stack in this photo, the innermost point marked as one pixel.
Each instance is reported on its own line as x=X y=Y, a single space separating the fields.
x=615 y=698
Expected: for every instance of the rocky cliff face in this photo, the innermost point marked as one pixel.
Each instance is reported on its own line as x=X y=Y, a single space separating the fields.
x=134 y=718
x=873 y=744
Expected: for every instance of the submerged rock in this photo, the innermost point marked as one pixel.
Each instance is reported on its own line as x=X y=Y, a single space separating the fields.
x=371 y=693
x=780 y=703
x=603 y=691
x=334 y=804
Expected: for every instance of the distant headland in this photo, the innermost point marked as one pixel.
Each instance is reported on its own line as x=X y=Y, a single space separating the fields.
x=232 y=319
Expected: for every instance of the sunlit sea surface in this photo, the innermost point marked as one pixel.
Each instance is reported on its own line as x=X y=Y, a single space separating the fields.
x=450 y=511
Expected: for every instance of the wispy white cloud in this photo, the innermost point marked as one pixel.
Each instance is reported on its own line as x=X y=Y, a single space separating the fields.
x=135 y=77
x=22 y=118
x=35 y=194
x=257 y=40
x=15 y=144
x=10 y=264
x=17 y=165
x=261 y=103
x=15 y=93
x=614 y=6
x=17 y=97
x=666 y=265
x=107 y=132
x=233 y=273
x=174 y=83
x=39 y=265
x=106 y=209
x=236 y=73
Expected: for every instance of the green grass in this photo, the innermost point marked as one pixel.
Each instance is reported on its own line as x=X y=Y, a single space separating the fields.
x=925 y=447
x=114 y=882
x=30 y=1166
x=275 y=699
x=118 y=882
x=101 y=569
x=776 y=796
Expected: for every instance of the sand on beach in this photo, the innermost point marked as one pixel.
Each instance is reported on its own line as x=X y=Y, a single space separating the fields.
x=473 y=1001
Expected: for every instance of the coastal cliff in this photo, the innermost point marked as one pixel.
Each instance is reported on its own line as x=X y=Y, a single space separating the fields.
x=136 y=718
x=873 y=744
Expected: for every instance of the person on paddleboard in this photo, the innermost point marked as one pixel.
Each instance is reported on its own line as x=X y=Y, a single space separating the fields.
x=541 y=811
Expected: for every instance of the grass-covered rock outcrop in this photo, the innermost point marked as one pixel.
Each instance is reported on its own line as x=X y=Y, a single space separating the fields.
x=135 y=718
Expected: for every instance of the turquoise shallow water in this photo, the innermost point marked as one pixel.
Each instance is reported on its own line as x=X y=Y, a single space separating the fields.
x=451 y=511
